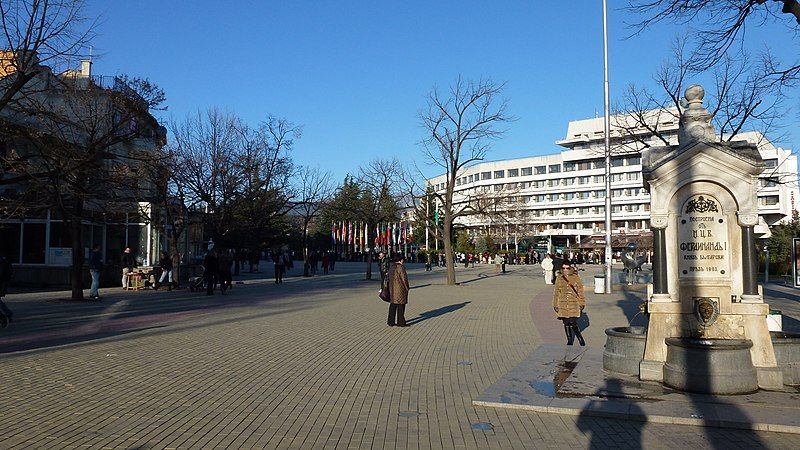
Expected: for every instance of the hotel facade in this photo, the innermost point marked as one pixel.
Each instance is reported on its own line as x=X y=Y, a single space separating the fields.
x=557 y=201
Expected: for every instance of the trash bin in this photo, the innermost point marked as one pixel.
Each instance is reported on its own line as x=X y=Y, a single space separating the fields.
x=599 y=284
x=775 y=320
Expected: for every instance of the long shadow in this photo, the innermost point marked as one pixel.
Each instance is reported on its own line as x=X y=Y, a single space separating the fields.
x=437 y=312
x=780 y=294
x=630 y=306
x=481 y=276
x=589 y=424
x=420 y=286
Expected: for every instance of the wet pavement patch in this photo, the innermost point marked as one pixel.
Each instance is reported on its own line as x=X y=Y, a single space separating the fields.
x=464 y=363
x=482 y=426
x=409 y=414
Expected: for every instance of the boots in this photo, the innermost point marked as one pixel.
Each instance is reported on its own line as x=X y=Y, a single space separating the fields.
x=577 y=332
x=570 y=334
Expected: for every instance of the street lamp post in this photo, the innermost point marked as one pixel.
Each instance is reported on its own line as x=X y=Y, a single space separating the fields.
x=607 y=130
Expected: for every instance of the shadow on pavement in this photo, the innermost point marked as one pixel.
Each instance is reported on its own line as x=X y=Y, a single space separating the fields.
x=437 y=312
x=481 y=276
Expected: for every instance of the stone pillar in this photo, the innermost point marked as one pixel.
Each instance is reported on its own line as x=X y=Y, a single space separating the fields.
x=658 y=223
x=749 y=258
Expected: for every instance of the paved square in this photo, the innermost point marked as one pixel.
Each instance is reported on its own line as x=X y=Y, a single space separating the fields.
x=309 y=364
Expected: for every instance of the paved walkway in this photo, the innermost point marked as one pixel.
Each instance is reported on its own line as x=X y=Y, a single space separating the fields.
x=308 y=364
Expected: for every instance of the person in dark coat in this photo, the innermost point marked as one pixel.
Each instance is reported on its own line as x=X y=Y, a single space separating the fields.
x=280 y=266
x=568 y=301
x=211 y=267
x=128 y=263
x=6 y=270
x=95 y=264
x=165 y=261
x=558 y=261
x=224 y=274
x=398 y=292
x=383 y=266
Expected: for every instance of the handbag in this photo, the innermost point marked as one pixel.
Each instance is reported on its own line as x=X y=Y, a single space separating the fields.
x=384 y=295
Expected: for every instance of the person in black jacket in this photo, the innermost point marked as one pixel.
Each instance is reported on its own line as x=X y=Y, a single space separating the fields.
x=128 y=263
x=166 y=271
x=211 y=267
x=6 y=270
x=95 y=264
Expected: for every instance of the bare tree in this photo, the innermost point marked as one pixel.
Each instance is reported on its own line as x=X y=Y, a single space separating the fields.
x=379 y=184
x=38 y=33
x=741 y=98
x=314 y=189
x=720 y=25
x=458 y=129
x=74 y=151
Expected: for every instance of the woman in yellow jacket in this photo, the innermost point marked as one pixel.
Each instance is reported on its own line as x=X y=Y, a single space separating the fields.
x=568 y=301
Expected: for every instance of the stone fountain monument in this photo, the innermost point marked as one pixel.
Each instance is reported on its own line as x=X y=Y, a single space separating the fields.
x=707 y=329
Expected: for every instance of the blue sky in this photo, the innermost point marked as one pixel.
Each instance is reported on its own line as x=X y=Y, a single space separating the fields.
x=354 y=74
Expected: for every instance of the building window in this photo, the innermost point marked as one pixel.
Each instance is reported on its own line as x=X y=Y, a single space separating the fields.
x=486 y=175
x=584 y=165
x=513 y=172
x=584 y=180
x=569 y=181
x=9 y=244
x=599 y=178
x=554 y=168
x=539 y=198
x=769 y=200
x=584 y=195
x=499 y=173
x=569 y=195
x=552 y=183
x=458 y=181
x=33 y=240
x=569 y=166
x=540 y=170
x=599 y=164
x=632 y=176
x=634 y=160
x=553 y=197
x=527 y=171
x=540 y=184
x=766 y=182
x=511 y=185
x=617 y=192
x=615 y=177
x=771 y=163
x=498 y=187
x=600 y=194
x=617 y=161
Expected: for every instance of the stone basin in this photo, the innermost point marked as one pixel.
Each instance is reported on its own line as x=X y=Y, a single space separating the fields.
x=787 y=353
x=624 y=349
x=710 y=366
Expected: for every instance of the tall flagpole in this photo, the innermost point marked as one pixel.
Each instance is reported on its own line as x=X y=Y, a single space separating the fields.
x=607 y=130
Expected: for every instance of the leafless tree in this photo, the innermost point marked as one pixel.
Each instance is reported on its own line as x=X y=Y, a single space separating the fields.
x=38 y=33
x=314 y=188
x=459 y=126
x=720 y=26
x=72 y=149
x=379 y=181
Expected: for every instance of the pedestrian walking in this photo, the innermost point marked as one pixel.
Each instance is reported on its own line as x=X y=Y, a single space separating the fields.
x=428 y=262
x=165 y=261
x=503 y=263
x=224 y=273
x=95 y=264
x=326 y=261
x=128 y=263
x=6 y=271
x=383 y=266
x=569 y=301
x=398 y=292
x=547 y=269
x=210 y=268
x=279 y=261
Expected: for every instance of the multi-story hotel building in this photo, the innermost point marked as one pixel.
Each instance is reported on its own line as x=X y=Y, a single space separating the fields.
x=560 y=198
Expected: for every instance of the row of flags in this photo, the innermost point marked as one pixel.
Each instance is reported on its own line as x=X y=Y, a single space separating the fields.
x=357 y=233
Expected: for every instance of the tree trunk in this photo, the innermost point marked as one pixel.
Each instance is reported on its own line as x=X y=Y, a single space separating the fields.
x=369 y=266
x=448 y=251
x=76 y=271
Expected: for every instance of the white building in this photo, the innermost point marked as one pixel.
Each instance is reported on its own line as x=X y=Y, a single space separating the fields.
x=560 y=198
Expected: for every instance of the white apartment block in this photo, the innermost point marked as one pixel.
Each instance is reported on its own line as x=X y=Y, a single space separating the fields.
x=562 y=196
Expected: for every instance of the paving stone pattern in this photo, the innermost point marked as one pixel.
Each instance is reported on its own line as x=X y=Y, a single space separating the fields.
x=309 y=363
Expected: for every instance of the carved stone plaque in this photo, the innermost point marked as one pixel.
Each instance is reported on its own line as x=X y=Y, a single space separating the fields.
x=703 y=247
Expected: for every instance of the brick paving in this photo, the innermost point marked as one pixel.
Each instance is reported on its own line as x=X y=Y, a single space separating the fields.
x=308 y=364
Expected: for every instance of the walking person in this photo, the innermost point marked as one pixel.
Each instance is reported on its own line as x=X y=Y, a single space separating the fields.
x=547 y=269
x=569 y=301
x=326 y=260
x=383 y=266
x=280 y=266
x=128 y=263
x=210 y=268
x=225 y=261
x=398 y=292
x=95 y=264
x=166 y=271
x=428 y=262
x=6 y=270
